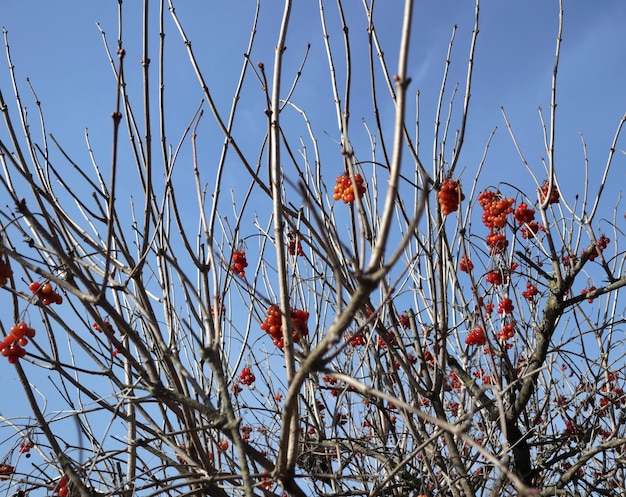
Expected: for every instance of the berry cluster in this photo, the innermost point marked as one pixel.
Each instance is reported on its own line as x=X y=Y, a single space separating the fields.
x=524 y=215
x=273 y=325
x=345 y=189
x=12 y=345
x=5 y=272
x=6 y=470
x=476 y=337
x=494 y=277
x=585 y=291
x=496 y=208
x=530 y=292
x=45 y=293
x=295 y=245
x=601 y=244
x=404 y=321
x=355 y=339
x=508 y=331
x=246 y=376
x=450 y=195
x=25 y=447
x=62 y=489
x=108 y=326
x=245 y=432
x=525 y=218
x=505 y=306
x=466 y=265
x=569 y=261
x=331 y=380
x=554 y=193
x=496 y=242
x=239 y=263
x=388 y=338
x=489 y=307
x=180 y=458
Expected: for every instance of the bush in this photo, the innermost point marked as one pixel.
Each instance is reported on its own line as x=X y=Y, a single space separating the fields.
x=237 y=313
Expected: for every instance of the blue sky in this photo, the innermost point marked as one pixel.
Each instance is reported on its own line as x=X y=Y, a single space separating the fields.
x=60 y=49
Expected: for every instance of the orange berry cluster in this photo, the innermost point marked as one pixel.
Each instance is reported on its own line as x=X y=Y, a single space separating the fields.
x=523 y=214
x=450 y=195
x=180 y=458
x=496 y=242
x=391 y=339
x=404 y=321
x=5 y=272
x=12 y=345
x=554 y=193
x=495 y=209
x=273 y=325
x=45 y=293
x=239 y=263
x=345 y=189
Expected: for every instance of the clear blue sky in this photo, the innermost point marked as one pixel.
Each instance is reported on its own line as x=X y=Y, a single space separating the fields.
x=59 y=47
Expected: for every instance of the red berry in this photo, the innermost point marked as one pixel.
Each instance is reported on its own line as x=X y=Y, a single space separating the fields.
x=345 y=190
x=531 y=291
x=524 y=215
x=449 y=196
x=476 y=337
x=495 y=209
x=505 y=306
x=239 y=263
x=466 y=265
x=554 y=193
x=496 y=242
